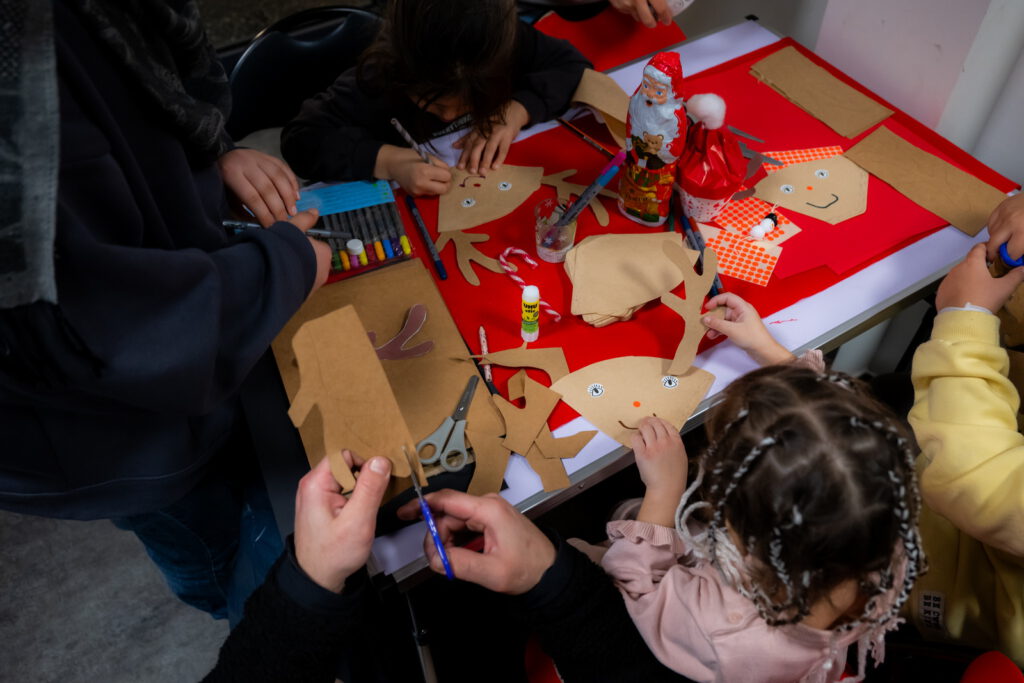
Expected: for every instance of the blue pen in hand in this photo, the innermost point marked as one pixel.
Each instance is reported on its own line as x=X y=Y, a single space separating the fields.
x=428 y=517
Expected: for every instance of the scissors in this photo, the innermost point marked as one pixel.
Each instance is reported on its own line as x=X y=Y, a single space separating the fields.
x=1010 y=262
x=449 y=439
x=428 y=517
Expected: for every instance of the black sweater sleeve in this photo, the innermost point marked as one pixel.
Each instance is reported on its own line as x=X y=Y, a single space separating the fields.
x=548 y=70
x=582 y=623
x=337 y=134
x=293 y=629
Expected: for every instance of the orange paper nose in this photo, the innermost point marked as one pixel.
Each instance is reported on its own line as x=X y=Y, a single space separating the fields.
x=810 y=187
x=636 y=404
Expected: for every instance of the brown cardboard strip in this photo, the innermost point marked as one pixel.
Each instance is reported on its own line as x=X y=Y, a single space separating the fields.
x=841 y=107
x=925 y=179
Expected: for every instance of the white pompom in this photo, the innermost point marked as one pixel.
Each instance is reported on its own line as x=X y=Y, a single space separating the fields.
x=757 y=232
x=707 y=108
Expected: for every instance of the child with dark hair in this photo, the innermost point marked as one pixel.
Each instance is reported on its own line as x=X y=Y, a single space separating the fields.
x=437 y=66
x=796 y=538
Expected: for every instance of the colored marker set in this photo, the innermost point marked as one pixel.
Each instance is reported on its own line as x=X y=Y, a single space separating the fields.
x=365 y=237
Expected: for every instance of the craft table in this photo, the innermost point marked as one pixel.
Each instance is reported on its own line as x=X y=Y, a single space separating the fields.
x=867 y=296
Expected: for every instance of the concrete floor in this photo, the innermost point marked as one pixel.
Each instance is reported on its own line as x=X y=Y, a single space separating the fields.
x=81 y=601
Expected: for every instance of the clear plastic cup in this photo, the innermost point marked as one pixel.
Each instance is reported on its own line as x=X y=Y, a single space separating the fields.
x=553 y=243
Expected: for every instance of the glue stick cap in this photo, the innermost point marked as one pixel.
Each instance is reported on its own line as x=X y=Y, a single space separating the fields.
x=354 y=247
x=531 y=293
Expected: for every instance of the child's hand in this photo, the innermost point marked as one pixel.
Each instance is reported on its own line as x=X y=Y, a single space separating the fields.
x=1006 y=224
x=661 y=459
x=404 y=165
x=262 y=183
x=480 y=154
x=743 y=326
x=970 y=282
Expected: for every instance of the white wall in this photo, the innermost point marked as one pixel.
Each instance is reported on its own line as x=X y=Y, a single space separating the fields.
x=799 y=19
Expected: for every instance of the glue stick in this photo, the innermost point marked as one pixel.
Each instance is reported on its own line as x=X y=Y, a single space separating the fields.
x=531 y=313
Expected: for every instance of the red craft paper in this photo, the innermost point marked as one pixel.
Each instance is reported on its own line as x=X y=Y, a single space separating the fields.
x=611 y=38
x=712 y=165
x=654 y=329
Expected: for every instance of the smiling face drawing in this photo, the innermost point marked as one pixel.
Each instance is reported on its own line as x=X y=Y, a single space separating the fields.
x=830 y=190
x=474 y=200
x=615 y=394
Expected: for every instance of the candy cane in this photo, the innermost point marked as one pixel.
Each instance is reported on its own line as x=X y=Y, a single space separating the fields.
x=510 y=271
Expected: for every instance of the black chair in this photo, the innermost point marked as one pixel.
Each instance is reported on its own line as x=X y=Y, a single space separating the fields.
x=292 y=60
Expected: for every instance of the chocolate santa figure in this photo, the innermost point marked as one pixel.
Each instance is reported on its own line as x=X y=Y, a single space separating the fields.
x=656 y=133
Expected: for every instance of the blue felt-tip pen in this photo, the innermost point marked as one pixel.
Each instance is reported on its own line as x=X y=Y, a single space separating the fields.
x=425 y=234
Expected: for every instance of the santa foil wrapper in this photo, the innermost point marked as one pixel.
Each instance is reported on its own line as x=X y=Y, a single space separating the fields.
x=656 y=135
x=711 y=167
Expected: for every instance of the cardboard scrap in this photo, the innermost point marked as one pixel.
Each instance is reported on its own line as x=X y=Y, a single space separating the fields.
x=831 y=190
x=551 y=471
x=601 y=93
x=615 y=394
x=341 y=376
x=550 y=360
x=491 y=462
x=466 y=253
x=841 y=107
x=564 y=447
x=522 y=425
x=925 y=179
x=426 y=387
x=614 y=275
x=475 y=200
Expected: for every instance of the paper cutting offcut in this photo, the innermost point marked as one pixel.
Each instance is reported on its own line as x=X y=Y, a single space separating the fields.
x=842 y=107
x=342 y=382
x=475 y=200
x=925 y=179
x=830 y=189
x=395 y=348
x=614 y=275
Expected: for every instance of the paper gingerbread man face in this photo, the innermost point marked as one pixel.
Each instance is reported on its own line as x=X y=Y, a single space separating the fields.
x=830 y=190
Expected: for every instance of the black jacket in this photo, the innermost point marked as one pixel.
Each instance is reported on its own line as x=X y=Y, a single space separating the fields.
x=111 y=403
x=337 y=134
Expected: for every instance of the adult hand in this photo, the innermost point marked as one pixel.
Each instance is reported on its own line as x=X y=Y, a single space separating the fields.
x=333 y=534
x=971 y=282
x=304 y=220
x=647 y=12
x=515 y=555
x=1006 y=224
x=482 y=154
x=742 y=324
x=263 y=184
x=404 y=165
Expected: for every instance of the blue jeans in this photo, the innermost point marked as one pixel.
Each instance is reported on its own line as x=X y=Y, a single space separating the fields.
x=215 y=545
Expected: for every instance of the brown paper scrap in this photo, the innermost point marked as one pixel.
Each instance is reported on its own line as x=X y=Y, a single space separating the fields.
x=925 y=179
x=564 y=447
x=601 y=93
x=522 y=425
x=841 y=107
x=491 y=462
x=551 y=471
x=340 y=374
x=550 y=360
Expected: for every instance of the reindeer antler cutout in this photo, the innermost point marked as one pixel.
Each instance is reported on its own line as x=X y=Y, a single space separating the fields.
x=394 y=348
x=465 y=253
x=689 y=309
x=565 y=189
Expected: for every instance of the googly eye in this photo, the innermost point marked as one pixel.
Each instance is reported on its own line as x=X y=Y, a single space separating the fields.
x=821 y=173
x=596 y=390
x=787 y=189
x=468 y=202
x=505 y=186
x=670 y=381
